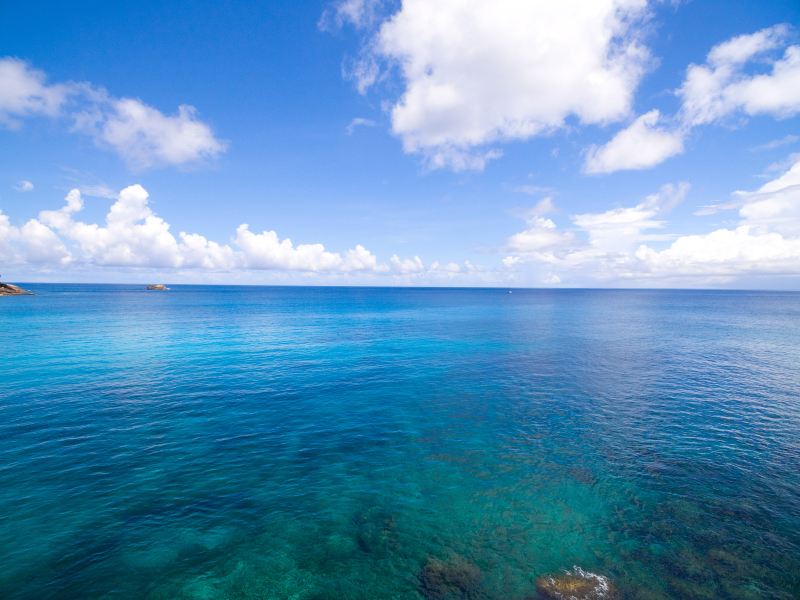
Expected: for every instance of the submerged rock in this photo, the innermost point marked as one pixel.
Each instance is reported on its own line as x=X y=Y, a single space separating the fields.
x=575 y=584
x=157 y=287
x=8 y=289
x=583 y=475
x=452 y=579
x=376 y=532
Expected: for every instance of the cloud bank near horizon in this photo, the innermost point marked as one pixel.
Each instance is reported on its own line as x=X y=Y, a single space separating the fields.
x=627 y=245
x=622 y=244
x=132 y=236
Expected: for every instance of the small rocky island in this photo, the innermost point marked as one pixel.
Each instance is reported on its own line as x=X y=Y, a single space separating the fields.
x=157 y=287
x=8 y=289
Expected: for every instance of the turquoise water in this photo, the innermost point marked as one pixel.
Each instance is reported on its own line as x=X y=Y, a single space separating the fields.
x=235 y=442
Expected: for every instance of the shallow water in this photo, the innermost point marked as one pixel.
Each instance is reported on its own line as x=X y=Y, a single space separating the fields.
x=235 y=442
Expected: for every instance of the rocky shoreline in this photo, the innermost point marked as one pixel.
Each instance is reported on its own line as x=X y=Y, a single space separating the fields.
x=8 y=289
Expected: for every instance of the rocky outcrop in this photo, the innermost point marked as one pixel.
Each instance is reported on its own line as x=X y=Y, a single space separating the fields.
x=157 y=287
x=453 y=579
x=7 y=289
x=575 y=584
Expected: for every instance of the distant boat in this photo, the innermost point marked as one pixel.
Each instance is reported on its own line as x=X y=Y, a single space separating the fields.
x=157 y=287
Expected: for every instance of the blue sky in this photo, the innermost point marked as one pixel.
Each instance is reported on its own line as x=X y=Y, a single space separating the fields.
x=402 y=143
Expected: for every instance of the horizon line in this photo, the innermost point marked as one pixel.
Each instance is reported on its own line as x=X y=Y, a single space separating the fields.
x=423 y=287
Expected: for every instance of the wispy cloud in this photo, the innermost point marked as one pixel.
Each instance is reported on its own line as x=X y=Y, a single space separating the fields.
x=24 y=186
x=359 y=122
x=786 y=140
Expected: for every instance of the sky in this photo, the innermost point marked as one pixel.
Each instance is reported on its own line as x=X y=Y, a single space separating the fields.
x=518 y=143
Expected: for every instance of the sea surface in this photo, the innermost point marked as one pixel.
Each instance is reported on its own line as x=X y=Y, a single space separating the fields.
x=356 y=443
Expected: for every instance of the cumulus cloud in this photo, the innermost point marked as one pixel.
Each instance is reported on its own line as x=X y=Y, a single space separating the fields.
x=32 y=243
x=618 y=229
x=633 y=243
x=540 y=235
x=141 y=134
x=145 y=137
x=724 y=252
x=407 y=265
x=133 y=236
x=267 y=251
x=728 y=83
x=477 y=73
x=766 y=240
x=598 y=244
x=593 y=235
x=641 y=145
x=723 y=85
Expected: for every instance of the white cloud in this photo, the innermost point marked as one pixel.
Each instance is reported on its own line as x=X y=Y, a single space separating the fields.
x=145 y=137
x=767 y=239
x=197 y=252
x=24 y=93
x=641 y=145
x=406 y=265
x=541 y=234
x=618 y=245
x=617 y=230
x=724 y=252
x=600 y=245
x=358 y=13
x=133 y=236
x=775 y=206
x=33 y=243
x=141 y=134
x=24 y=186
x=620 y=229
x=449 y=268
x=267 y=251
x=477 y=73
x=723 y=85
x=728 y=83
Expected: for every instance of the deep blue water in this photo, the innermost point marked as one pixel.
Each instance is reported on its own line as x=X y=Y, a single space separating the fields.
x=310 y=443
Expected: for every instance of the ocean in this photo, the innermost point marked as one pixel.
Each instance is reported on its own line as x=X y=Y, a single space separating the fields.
x=368 y=443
